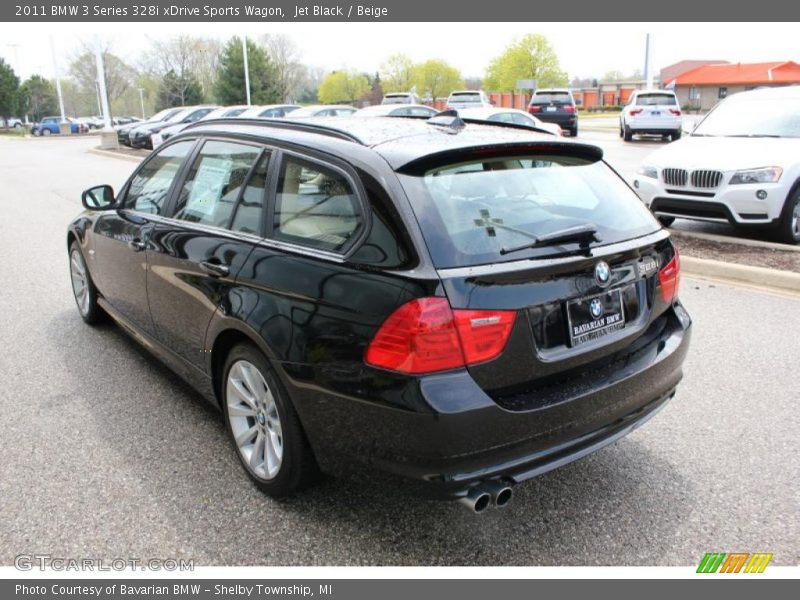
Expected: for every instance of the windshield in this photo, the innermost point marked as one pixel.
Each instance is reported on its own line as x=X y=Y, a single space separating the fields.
x=656 y=100
x=757 y=117
x=471 y=211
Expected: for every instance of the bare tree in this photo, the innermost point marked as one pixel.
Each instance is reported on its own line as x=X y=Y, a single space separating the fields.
x=83 y=69
x=187 y=57
x=286 y=55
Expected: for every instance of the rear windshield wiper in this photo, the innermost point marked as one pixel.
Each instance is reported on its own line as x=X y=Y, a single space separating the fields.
x=582 y=234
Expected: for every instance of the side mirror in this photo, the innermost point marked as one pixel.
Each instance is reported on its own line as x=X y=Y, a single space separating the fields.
x=99 y=197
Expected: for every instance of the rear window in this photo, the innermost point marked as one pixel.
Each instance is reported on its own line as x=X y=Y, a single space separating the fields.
x=395 y=99
x=471 y=211
x=656 y=100
x=466 y=97
x=551 y=97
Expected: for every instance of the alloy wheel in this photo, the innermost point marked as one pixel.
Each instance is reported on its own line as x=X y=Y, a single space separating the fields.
x=254 y=420
x=80 y=282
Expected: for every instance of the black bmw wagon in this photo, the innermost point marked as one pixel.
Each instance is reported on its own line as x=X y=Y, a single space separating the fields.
x=455 y=305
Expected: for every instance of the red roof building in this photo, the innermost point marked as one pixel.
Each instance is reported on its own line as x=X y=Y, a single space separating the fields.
x=703 y=86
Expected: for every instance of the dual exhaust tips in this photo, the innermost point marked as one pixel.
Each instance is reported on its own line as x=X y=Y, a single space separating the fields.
x=486 y=494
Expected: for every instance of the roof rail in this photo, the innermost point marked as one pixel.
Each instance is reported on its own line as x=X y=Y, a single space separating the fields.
x=284 y=124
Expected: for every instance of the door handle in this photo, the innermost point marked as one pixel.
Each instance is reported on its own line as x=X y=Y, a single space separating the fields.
x=215 y=269
x=137 y=245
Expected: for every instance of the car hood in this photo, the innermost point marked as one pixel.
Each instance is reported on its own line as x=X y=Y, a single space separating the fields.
x=726 y=153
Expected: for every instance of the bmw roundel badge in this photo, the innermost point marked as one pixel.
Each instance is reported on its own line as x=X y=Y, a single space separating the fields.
x=602 y=273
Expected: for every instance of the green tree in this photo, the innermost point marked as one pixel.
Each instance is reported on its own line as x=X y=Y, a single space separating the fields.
x=177 y=90
x=9 y=90
x=531 y=57
x=265 y=87
x=38 y=97
x=397 y=73
x=343 y=87
x=436 y=77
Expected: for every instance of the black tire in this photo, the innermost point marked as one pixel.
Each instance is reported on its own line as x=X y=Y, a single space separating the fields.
x=621 y=131
x=298 y=468
x=676 y=135
x=628 y=134
x=666 y=221
x=574 y=131
x=90 y=311
x=789 y=224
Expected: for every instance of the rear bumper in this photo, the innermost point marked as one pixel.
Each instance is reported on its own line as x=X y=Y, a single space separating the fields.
x=564 y=120
x=656 y=125
x=466 y=437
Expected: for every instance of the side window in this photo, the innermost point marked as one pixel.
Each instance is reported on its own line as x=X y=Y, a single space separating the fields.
x=249 y=209
x=521 y=119
x=315 y=206
x=214 y=182
x=149 y=188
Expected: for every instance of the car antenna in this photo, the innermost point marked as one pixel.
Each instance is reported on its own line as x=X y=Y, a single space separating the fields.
x=448 y=120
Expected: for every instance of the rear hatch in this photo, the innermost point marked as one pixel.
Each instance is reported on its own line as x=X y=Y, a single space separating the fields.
x=556 y=247
x=461 y=100
x=551 y=103
x=655 y=105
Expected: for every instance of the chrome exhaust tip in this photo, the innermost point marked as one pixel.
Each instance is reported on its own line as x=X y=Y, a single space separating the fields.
x=500 y=492
x=477 y=500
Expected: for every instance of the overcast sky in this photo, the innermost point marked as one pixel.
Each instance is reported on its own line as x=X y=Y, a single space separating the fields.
x=584 y=49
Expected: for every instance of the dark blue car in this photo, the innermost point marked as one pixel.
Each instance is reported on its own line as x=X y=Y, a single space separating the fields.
x=50 y=125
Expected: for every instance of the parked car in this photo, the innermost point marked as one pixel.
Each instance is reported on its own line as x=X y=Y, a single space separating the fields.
x=654 y=112
x=141 y=136
x=14 y=123
x=52 y=126
x=124 y=131
x=741 y=165
x=460 y=306
x=323 y=110
x=158 y=138
x=269 y=111
x=468 y=99
x=509 y=115
x=401 y=98
x=555 y=106
x=396 y=110
x=125 y=120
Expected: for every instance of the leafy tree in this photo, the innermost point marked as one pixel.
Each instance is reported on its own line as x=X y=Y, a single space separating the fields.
x=9 y=89
x=177 y=90
x=343 y=87
x=264 y=84
x=397 y=73
x=38 y=97
x=437 y=77
x=531 y=57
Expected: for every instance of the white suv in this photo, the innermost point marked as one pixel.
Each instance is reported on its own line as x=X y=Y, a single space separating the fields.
x=654 y=112
x=740 y=165
x=468 y=99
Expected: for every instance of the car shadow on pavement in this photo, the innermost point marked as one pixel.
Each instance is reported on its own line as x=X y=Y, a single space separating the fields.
x=622 y=505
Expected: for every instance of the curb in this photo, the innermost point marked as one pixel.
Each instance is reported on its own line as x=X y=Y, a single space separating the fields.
x=117 y=155
x=738 y=241
x=735 y=273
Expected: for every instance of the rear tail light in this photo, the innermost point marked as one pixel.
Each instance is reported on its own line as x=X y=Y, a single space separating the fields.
x=533 y=108
x=636 y=111
x=569 y=108
x=670 y=278
x=426 y=335
x=675 y=111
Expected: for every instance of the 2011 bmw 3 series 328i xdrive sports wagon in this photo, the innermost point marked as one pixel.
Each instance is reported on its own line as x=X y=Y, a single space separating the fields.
x=461 y=306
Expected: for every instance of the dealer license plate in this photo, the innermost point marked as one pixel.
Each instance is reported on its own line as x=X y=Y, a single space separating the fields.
x=594 y=317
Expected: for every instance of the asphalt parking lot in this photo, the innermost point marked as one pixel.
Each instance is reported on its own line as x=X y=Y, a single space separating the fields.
x=105 y=453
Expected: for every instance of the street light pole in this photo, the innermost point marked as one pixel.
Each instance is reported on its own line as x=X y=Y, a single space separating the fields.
x=141 y=100
x=246 y=69
x=101 y=79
